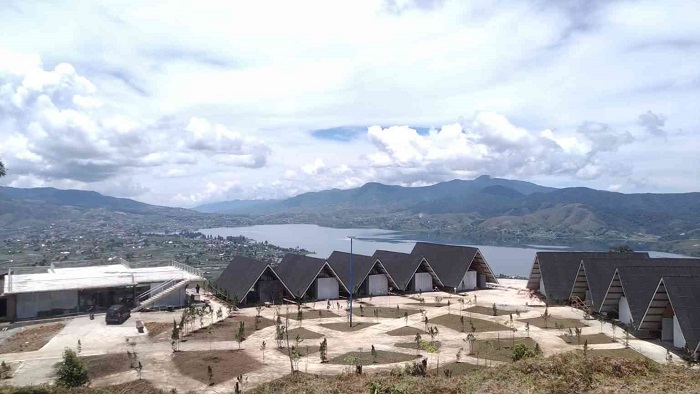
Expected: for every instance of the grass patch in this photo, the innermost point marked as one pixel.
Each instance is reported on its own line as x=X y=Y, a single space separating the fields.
x=226 y=330
x=384 y=312
x=29 y=339
x=593 y=339
x=365 y=358
x=345 y=327
x=106 y=364
x=412 y=345
x=552 y=322
x=454 y=322
x=309 y=314
x=156 y=328
x=499 y=350
x=405 y=331
x=303 y=334
x=225 y=364
x=624 y=353
x=457 y=369
x=483 y=310
x=304 y=349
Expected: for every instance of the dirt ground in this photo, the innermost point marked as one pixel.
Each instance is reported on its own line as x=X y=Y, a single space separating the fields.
x=405 y=331
x=553 y=322
x=593 y=339
x=412 y=345
x=303 y=333
x=309 y=314
x=365 y=358
x=30 y=339
x=615 y=353
x=491 y=350
x=225 y=364
x=454 y=322
x=226 y=330
x=483 y=310
x=156 y=328
x=107 y=364
x=345 y=327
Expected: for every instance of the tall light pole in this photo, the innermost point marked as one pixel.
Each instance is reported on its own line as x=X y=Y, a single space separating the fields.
x=352 y=288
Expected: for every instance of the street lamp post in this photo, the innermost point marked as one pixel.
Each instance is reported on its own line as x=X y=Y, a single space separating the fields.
x=352 y=288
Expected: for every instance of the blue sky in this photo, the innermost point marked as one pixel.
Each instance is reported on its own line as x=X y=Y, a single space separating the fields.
x=184 y=103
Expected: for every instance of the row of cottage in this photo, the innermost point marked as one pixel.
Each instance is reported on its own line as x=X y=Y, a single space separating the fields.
x=299 y=277
x=653 y=297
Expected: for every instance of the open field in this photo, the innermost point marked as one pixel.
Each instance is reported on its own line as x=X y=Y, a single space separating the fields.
x=29 y=339
x=225 y=364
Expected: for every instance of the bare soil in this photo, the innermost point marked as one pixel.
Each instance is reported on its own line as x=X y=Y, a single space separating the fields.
x=457 y=369
x=552 y=323
x=226 y=330
x=626 y=353
x=303 y=333
x=365 y=358
x=345 y=327
x=483 y=310
x=107 y=364
x=309 y=314
x=304 y=349
x=405 y=331
x=454 y=322
x=225 y=364
x=29 y=339
x=412 y=345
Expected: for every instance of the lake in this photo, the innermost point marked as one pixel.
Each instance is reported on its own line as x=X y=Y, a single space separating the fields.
x=323 y=241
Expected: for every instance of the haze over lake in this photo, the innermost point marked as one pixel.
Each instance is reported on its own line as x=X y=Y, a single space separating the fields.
x=323 y=241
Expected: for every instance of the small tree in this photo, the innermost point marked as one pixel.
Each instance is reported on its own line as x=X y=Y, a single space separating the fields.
x=209 y=332
x=495 y=309
x=80 y=346
x=461 y=305
x=546 y=316
x=459 y=355
x=139 y=368
x=405 y=318
x=669 y=357
x=72 y=371
x=538 y=350
x=175 y=337
x=5 y=371
x=362 y=311
x=461 y=321
x=448 y=307
x=585 y=348
x=521 y=351
x=425 y=322
x=300 y=315
x=219 y=314
x=240 y=335
x=578 y=331
x=323 y=350
x=417 y=339
x=263 y=346
x=433 y=332
x=374 y=354
x=471 y=338
x=279 y=332
x=527 y=328
x=210 y=374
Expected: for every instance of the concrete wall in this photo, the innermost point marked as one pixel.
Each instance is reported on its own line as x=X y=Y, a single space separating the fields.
x=175 y=298
x=667 y=329
x=468 y=282
x=678 y=338
x=623 y=307
x=327 y=289
x=423 y=282
x=378 y=284
x=30 y=304
x=543 y=291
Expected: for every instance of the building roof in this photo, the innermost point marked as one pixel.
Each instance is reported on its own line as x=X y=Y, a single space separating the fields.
x=401 y=266
x=99 y=276
x=558 y=270
x=684 y=295
x=451 y=262
x=298 y=272
x=361 y=266
x=640 y=282
x=599 y=273
x=240 y=275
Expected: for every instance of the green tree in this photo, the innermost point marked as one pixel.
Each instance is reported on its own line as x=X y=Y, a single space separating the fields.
x=240 y=335
x=72 y=371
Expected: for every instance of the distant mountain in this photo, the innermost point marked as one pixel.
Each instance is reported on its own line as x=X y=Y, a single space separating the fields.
x=234 y=206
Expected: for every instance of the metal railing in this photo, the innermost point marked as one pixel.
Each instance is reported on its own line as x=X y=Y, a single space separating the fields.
x=190 y=270
x=157 y=290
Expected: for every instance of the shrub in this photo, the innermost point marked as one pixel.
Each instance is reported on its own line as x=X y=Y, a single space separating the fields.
x=71 y=371
x=521 y=351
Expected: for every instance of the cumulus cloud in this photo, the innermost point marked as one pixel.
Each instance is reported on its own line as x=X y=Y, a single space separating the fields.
x=653 y=123
x=52 y=127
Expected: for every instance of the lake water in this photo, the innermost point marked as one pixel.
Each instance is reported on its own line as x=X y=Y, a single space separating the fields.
x=323 y=241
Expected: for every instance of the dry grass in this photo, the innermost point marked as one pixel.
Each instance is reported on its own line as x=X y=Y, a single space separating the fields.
x=29 y=339
x=405 y=331
x=624 y=353
x=365 y=358
x=345 y=327
x=457 y=369
x=561 y=374
x=454 y=322
x=133 y=387
x=156 y=328
x=384 y=312
x=593 y=339
x=225 y=364
x=106 y=364
x=552 y=323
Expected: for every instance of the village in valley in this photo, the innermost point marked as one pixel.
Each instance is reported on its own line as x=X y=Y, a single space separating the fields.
x=437 y=311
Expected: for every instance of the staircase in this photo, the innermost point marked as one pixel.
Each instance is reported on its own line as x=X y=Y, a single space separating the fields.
x=151 y=296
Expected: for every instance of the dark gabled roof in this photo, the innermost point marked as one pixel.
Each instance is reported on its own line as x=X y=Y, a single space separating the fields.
x=558 y=270
x=599 y=274
x=684 y=294
x=240 y=275
x=640 y=282
x=451 y=262
x=401 y=266
x=361 y=267
x=299 y=271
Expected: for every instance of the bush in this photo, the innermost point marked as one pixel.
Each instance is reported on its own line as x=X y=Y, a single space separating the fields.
x=521 y=351
x=71 y=371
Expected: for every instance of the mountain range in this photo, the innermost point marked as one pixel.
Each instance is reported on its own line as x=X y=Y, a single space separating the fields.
x=485 y=208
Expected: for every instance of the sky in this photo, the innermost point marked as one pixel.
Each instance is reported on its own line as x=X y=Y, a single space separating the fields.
x=179 y=104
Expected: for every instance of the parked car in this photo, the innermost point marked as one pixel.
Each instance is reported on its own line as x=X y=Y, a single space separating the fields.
x=117 y=314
